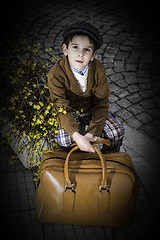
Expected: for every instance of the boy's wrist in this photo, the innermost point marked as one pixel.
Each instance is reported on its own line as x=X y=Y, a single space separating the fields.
x=75 y=135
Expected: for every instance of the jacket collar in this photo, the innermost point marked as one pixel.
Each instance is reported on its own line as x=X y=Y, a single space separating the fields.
x=91 y=73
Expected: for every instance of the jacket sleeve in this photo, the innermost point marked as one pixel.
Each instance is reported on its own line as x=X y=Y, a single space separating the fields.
x=58 y=96
x=100 y=104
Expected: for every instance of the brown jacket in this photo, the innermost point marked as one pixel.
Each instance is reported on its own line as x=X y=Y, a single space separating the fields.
x=66 y=93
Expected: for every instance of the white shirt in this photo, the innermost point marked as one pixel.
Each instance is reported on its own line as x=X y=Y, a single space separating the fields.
x=82 y=80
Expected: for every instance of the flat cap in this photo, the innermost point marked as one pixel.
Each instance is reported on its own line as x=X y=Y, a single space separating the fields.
x=84 y=28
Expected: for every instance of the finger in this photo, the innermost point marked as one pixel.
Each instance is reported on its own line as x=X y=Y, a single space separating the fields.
x=93 y=139
x=91 y=149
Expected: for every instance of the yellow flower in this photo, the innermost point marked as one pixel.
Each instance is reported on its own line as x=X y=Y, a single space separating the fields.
x=11 y=108
x=51 y=121
x=36 y=106
x=56 y=124
x=77 y=112
x=38 y=121
x=24 y=134
x=64 y=112
x=46 y=112
x=34 y=118
x=49 y=107
x=34 y=65
x=41 y=117
x=40 y=103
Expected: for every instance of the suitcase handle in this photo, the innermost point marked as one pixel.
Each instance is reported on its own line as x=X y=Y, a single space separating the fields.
x=69 y=185
x=102 y=141
x=98 y=141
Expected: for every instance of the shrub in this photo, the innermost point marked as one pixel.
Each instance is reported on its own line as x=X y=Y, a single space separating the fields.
x=26 y=107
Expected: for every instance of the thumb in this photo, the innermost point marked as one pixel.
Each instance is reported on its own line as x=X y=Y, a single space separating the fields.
x=93 y=139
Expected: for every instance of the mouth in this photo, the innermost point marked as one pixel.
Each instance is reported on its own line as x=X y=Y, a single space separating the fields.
x=79 y=61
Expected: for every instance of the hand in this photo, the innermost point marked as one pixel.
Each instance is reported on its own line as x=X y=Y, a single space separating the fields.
x=83 y=142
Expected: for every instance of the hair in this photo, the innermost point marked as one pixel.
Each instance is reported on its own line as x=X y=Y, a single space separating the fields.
x=70 y=36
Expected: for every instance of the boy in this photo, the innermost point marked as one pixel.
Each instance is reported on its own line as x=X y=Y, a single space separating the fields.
x=78 y=83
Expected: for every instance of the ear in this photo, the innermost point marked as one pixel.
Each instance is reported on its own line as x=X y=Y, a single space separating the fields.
x=65 y=49
x=93 y=55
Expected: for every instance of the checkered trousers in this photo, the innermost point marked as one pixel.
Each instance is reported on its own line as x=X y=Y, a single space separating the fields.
x=112 y=130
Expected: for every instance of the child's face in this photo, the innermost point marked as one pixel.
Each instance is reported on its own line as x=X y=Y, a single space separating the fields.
x=80 y=52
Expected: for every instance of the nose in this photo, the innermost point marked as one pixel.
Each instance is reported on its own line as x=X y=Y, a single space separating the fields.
x=80 y=53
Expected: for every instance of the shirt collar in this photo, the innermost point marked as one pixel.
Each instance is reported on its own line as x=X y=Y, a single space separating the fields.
x=82 y=72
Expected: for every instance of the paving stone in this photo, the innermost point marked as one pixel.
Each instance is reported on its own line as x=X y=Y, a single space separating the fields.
x=144 y=117
x=134 y=97
x=154 y=113
x=116 y=77
x=110 y=71
x=119 y=69
x=130 y=77
x=121 y=93
x=136 y=108
x=148 y=104
x=144 y=86
x=118 y=63
x=114 y=87
x=114 y=107
x=124 y=114
x=122 y=83
x=133 y=88
x=131 y=67
x=126 y=48
x=121 y=55
x=123 y=102
x=143 y=79
x=151 y=129
x=113 y=98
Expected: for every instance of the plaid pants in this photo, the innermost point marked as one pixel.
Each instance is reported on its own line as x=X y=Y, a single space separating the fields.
x=112 y=130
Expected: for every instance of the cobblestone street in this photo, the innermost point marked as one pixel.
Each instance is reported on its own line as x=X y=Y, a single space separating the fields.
x=130 y=51
x=131 y=56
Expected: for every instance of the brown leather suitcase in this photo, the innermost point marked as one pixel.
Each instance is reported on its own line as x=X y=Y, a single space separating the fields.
x=86 y=188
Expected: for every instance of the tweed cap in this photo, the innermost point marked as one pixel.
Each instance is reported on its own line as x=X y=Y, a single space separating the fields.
x=84 y=28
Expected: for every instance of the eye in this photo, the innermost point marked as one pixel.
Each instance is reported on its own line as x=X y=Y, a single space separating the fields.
x=87 y=49
x=75 y=47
